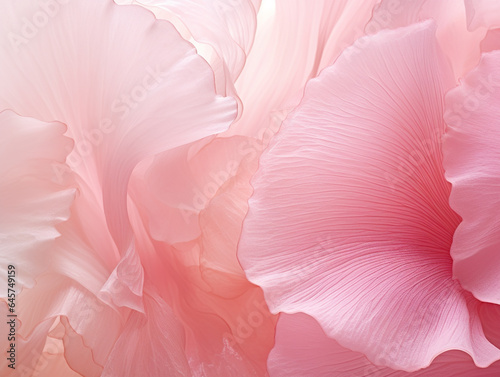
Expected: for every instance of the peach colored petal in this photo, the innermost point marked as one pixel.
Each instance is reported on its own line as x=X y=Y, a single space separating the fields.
x=91 y=327
x=491 y=41
x=215 y=302
x=28 y=349
x=151 y=344
x=472 y=155
x=53 y=363
x=350 y=221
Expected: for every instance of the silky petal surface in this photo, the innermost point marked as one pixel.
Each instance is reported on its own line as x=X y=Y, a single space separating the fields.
x=295 y=40
x=28 y=349
x=472 y=164
x=482 y=13
x=303 y=349
x=460 y=44
x=226 y=25
x=91 y=327
x=151 y=344
x=129 y=88
x=491 y=41
x=229 y=329
x=350 y=221
x=31 y=203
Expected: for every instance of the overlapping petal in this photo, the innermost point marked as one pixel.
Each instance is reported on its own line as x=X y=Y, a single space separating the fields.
x=461 y=45
x=483 y=13
x=31 y=203
x=128 y=89
x=121 y=95
x=226 y=27
x=472 y=155
x=303 y=349
x=277 y=68
x=229 y=329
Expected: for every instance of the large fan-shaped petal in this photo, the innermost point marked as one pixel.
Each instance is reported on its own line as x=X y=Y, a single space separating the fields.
x=350 y=220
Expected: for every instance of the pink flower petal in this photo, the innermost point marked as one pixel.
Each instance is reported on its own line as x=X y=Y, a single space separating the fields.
x=31 y=203
x=91 y=327
x=294 y=42
x=482 y=13
x=226 y=25
x=303 y=349
x=491 y=41
x=472 y=155
x=28 y=349
x=150 y=345
x=199 y=176
x=350 y=221
x=122 y=96
x=229 y=329
x=457 y=42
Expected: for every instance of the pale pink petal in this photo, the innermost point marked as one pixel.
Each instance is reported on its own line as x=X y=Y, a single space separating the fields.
x=457 y=42
x=228 y=327
x=295 y=40
x=90 y=323
x=127 y=90
x=350 y=221
x=151 y=344
x=52 y=362
x=200 y=173
x=482 y=13
x=228 y=26
x=491 y=41
x=28 y=349
x=303 y=349
x=130 y=88
x=472 y=155
x=31 y=203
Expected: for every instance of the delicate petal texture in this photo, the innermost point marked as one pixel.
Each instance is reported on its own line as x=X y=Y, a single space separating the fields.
x=226 y=25
x=303 y=349
x=350 y=220
x=157 y=99
x=457 y=42
x=31 y=203
x=173 y=210
x=483 y=13
x=91 y=327
x=28 y=350
x=53 y=362
x=128 y=88
x=295 y=40
x=229 y=330
x=489 y=318
x=472 y=164
x=491 y=41
x=152 y=344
